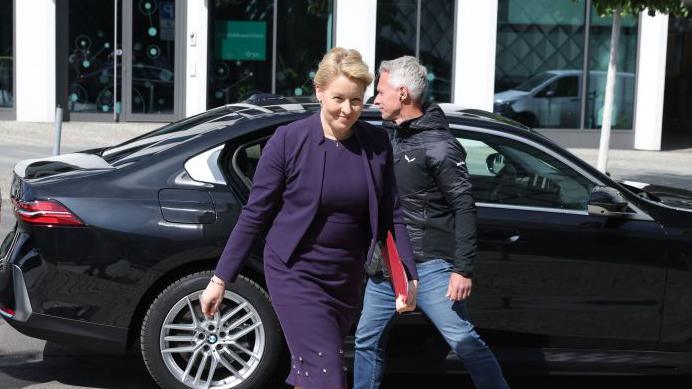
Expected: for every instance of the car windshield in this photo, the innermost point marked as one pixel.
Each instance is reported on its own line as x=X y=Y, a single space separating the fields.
x=184 y=128
x=533 y=82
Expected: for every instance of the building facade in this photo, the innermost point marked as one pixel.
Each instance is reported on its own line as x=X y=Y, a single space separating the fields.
x=541 y=62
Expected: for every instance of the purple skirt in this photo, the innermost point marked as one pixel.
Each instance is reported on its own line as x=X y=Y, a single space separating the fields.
x=315 y=296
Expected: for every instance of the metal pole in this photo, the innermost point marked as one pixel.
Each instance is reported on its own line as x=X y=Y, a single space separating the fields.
x=418 y=16
x=57 y=129
x=115 y=60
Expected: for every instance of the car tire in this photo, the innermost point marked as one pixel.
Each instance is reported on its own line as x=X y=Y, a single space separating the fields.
x=243 y=343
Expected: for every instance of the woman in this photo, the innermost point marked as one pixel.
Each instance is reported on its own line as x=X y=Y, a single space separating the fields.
x=326 y=186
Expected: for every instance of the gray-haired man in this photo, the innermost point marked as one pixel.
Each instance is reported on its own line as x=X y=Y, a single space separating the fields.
x=435 y=192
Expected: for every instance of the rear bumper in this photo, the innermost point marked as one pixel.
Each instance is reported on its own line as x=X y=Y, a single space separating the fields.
x=20 y=309
x=76 y=333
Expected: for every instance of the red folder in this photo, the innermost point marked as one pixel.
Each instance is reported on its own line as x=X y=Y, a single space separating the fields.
x=392 y=261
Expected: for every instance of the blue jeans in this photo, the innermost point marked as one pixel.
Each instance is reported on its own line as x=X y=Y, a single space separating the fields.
x=450 y=318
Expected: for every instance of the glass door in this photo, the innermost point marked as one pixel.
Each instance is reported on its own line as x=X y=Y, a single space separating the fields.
x=153 y=60
x=87 y=85
x=121 y=60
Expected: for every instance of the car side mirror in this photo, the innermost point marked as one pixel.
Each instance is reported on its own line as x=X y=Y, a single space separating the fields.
x=606 y=201
x=495 y=162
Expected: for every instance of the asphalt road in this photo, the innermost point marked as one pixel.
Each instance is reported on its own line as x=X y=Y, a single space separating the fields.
x=32 y=363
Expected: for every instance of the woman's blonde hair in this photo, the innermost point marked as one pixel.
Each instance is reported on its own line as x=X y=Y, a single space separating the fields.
x=342 y=61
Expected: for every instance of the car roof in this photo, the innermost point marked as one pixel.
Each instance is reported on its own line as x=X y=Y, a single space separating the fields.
x=270 y=110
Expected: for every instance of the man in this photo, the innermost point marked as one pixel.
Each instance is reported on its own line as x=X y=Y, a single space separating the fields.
x=440 y=214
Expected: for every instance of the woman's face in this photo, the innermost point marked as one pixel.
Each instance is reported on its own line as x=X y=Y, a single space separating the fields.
x=342 y=102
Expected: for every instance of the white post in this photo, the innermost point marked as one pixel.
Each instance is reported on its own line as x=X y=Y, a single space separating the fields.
x=651 y=76
x=474 y=54
x=356 y=28
x=35 y=60
x=196 y=54
x=609 y=93
x=116 y=105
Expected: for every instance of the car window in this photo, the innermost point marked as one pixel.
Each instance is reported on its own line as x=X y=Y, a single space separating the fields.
x=170 y=134
x=533 y=82
x=246 y=158
x=504 y=171
x=564 y=87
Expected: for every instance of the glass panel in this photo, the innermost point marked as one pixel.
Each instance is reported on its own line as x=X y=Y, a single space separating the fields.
x=599 y=54
x=240 y=48
x=508 y=172
x=437 y=46
x=6 y=55
x=396 y=29
x=299 y=50
x=153 y=56
x=538 y=43
x=90 y=59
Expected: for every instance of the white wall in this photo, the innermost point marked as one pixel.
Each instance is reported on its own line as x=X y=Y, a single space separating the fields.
x=35 y=60
x=474 y=52
x=651 y=76
x=196 y=57
x=356 y=22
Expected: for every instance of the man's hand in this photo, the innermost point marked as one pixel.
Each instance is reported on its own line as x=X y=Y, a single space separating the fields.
x=459 y=287
x=410 y=303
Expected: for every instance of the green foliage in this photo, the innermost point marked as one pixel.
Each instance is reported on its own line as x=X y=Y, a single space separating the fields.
x=634 y=7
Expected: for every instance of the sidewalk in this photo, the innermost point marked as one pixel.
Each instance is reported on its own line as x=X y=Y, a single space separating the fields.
x=23 y=140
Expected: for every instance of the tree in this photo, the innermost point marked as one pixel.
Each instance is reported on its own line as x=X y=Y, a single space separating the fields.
x=617 y=8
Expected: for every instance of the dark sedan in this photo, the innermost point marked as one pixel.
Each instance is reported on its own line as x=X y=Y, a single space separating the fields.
x=112 y=247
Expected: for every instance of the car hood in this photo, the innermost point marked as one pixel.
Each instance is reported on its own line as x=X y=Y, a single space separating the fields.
x=59 y=164
x=509 y=96
x=672 y=197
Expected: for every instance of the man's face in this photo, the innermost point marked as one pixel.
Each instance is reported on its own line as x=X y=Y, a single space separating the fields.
x=388 y=98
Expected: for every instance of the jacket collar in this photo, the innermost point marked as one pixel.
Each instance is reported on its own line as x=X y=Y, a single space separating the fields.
x=315 y=123
x=433 y=118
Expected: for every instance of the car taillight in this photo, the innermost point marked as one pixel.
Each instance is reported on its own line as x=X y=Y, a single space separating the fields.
x=45 y=212
x=7 y=311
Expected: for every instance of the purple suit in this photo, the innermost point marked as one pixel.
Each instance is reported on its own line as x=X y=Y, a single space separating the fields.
x=288 y=183
x=323 y=200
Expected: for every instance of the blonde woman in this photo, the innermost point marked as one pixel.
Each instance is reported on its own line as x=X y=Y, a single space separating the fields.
x=325 y=187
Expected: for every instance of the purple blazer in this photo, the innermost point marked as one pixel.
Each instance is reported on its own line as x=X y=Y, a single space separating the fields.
x=287 y=187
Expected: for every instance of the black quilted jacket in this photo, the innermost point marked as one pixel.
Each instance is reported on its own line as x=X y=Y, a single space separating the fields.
x=435 y=190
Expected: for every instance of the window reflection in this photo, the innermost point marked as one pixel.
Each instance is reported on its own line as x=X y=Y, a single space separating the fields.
x=90 y=58
x=299 y=50
x=599 y=55
x=539 y=61
x=240 y=50
x=539 y=65
x=153 y=56
x=398 y=29
x=6 y=55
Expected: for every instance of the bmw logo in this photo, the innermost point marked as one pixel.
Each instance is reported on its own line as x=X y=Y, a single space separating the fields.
x=212 y=339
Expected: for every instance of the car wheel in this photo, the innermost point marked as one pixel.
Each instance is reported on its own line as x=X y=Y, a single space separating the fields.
x=239 y=348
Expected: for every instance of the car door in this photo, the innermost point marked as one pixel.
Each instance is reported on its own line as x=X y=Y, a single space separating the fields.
x=549 y=274
x=558 y=103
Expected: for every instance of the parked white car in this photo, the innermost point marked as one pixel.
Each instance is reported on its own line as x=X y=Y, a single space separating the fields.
x=553 y=100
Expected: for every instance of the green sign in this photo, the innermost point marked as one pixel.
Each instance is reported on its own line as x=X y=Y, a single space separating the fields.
x=239 y=40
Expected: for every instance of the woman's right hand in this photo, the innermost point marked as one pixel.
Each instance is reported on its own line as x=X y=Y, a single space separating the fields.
x=212 y=296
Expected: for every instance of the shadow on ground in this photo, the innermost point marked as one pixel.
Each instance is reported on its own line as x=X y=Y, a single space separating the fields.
x=67 y=366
